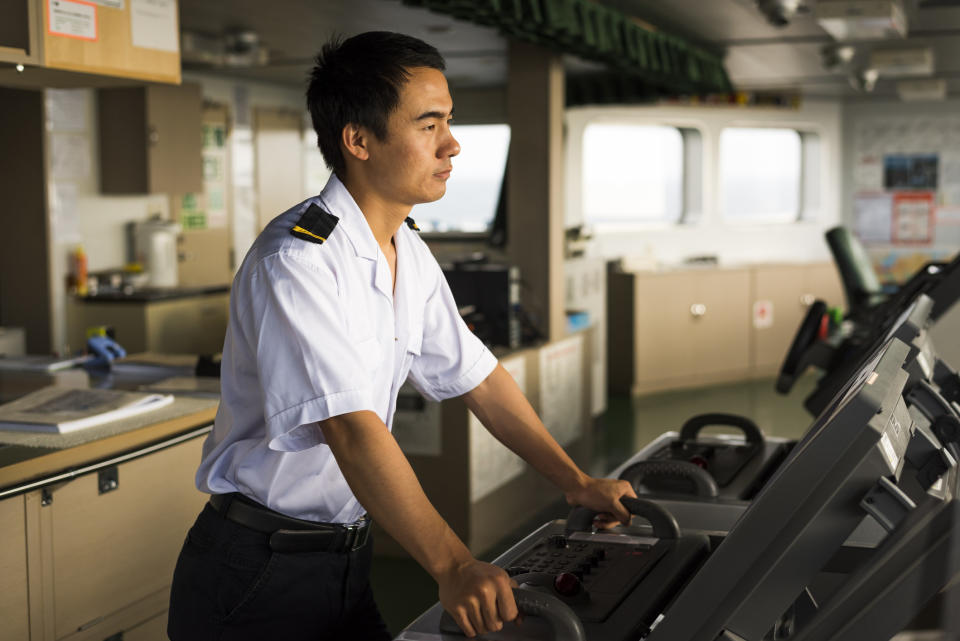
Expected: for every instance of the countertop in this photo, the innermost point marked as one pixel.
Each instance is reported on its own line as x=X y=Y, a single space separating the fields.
x=26 y=459
x=153 y=294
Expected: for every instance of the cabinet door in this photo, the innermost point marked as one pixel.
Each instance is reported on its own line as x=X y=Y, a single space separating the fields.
x=721 y=334
x=175 y=139
x=665 y=328
x=195 y=325
x=821 y=280
x=13 y=570
x=779 y=289
x=150 y=139
x=114 y=549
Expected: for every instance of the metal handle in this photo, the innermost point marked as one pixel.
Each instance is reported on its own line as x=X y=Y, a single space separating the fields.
x=698 y=309
x=564 y=621
x=153 y=136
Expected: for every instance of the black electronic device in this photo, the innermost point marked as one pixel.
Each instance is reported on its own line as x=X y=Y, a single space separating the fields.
x=700 y=467
x=845 y=472
x=491 y=293
x=613 y=584
x=860 y=334
x=847 y=467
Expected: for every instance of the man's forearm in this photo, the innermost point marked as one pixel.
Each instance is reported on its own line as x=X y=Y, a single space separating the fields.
x=506 y=413
x=384 y=483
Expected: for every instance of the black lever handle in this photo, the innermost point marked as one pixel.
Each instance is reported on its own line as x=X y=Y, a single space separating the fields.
x=664 y=524
x=692 y=427
x=805 y=337
x=703 y=483
x=564 y=621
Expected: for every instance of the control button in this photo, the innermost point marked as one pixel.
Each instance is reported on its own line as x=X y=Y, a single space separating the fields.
x=517 y=569
x=558 y=541
x=567 y=584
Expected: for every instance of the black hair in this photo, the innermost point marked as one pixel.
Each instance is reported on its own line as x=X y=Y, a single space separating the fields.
x=358 y=80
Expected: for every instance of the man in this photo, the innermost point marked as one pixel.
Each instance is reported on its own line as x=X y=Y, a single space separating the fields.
x=337 y=303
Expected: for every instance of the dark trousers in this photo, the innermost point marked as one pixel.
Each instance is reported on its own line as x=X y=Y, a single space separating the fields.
x=229 y=585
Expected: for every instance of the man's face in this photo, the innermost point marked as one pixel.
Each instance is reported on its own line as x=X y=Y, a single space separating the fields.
x=414 y=162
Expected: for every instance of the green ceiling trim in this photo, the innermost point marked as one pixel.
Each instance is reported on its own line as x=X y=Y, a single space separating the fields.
x=661 y=62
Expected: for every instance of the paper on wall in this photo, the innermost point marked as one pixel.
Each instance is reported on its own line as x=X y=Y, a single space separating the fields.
x=109 y=4
x=492 y=465
x=561 y=388
x=67 y=109
x=72 y=19
x=69 y=156
x=873 y=217
x=153 y=24
x=868 y=173
x=913 y=217
x=64 y=214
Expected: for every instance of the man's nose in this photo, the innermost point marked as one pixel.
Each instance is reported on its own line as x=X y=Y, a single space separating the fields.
x=451 y=148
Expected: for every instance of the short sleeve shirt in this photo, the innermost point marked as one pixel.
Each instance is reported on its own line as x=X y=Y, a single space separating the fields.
x=317 y=330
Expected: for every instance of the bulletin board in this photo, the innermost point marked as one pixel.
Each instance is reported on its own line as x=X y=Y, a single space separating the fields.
x=906 y=176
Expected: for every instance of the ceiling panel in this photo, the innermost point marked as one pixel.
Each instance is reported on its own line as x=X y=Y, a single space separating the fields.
x=758 y=54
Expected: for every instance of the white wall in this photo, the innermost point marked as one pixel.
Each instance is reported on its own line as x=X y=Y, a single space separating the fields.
x=741 y=243
x=81 y=215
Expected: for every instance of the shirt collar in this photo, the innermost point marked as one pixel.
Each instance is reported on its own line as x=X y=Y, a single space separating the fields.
x=340 y=203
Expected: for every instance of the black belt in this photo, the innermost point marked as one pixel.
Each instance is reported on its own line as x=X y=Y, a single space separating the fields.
x=288 y=534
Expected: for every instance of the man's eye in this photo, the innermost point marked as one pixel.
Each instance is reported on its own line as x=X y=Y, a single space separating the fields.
x=430 y=127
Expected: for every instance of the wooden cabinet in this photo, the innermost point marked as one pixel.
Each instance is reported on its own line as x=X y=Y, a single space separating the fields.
x=14 y=603
x=692 y=327
x=110 y=40
x=150 y=139
x=88 y=565
x=26 y=299
x=688 y=328
x=187 y=325
x=781 y=295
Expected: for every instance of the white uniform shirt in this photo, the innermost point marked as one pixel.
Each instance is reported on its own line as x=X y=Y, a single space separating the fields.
x=315 y=331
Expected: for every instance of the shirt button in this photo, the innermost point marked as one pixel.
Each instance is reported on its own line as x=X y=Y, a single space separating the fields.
x=395 y=338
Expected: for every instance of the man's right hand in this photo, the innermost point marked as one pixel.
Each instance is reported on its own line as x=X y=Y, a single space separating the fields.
x=478 y=596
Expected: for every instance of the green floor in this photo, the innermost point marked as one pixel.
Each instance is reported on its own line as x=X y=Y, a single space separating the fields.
x=403 y=590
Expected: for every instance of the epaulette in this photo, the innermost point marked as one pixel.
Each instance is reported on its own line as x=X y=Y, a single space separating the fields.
x=411 y=224
x=315 y=225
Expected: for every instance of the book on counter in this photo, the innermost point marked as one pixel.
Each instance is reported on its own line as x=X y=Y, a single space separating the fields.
x=62 y=409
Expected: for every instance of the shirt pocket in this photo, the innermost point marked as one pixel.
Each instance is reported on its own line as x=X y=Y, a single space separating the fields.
x=371 y=353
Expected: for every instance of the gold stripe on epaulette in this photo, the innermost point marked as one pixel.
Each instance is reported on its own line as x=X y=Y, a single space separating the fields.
x=301 y=230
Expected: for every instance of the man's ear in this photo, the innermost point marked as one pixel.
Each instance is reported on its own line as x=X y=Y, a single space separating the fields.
x=354 y=139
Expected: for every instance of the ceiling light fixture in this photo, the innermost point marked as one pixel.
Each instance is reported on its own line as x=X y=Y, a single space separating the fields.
x=862 y=19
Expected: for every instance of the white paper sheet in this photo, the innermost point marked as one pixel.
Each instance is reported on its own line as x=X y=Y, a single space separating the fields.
x=561 y=388
x=67 y=109
x=72 y=19
x=153 y=24
x=873 y=215
x=492 y=465
x=70 y=156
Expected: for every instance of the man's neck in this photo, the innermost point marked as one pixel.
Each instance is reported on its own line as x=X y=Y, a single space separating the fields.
x=383 y=217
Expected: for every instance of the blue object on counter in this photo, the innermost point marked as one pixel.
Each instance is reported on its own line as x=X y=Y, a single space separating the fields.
x=104 y=350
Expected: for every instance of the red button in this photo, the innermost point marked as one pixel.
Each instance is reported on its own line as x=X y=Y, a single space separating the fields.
x=567 y=584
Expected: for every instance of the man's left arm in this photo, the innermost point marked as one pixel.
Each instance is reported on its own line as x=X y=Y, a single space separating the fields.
x=506 y=413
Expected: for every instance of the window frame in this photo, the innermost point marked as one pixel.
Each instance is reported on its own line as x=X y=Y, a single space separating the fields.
x=809 y=179
x=691 y=178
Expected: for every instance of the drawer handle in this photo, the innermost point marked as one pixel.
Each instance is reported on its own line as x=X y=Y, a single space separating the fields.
x=698 y=309
x=806 y=300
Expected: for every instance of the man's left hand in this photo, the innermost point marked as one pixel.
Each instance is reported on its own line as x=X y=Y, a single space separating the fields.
x=603 y=495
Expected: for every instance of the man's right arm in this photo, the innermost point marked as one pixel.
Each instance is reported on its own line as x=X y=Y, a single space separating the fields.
x=478 y=595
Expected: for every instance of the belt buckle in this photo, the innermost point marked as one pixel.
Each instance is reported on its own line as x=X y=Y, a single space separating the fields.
x=356 y=536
